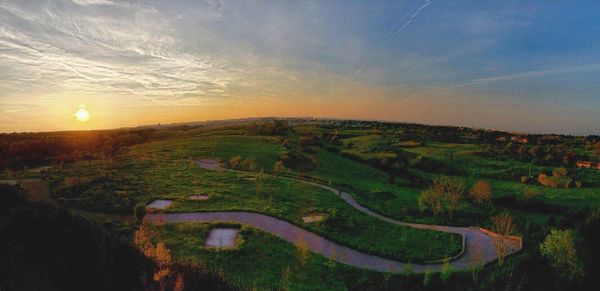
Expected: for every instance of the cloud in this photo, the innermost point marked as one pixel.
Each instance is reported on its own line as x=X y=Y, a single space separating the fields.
x=528 y=75
x=538 y=73
x=93 y=2
x=396 y=29
x=128 y=51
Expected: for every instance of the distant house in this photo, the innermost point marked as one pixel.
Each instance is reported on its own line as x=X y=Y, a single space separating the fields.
x=519 y=139
x=584 y=164
x=598 y=166
x=501 y=139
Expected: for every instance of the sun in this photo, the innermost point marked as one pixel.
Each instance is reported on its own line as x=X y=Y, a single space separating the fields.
x=82 y=114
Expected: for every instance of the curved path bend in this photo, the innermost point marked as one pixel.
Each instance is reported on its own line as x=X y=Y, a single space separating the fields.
x=478 y=248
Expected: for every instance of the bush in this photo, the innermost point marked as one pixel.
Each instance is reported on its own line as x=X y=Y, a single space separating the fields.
x=481 y=192
x=559 y=249
x=555 y=181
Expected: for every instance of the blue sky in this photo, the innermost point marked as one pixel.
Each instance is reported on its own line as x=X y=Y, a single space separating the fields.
x=532 y=66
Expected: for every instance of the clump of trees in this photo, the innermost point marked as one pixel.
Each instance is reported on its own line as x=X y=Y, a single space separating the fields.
x=276 y=127
x=559 y=249
x=540 y=154
x=27 y=150
x=294 y=159
x=559 y=179
x=445 y=195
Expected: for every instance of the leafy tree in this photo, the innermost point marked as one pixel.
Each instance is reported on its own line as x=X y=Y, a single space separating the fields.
x=481 y=192
x=452 y=191
x=446 y=271
x=445 y=194
x=431 y=200
x=597 y=150
x=427 y=277
x=559 y=249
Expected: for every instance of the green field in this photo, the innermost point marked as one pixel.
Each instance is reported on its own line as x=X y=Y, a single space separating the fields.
x=165 y=169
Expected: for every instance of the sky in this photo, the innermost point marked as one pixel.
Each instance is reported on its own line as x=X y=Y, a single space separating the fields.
x=529 y=66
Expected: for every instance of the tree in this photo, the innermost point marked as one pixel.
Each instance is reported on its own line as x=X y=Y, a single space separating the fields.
x=503 y=226
x=258 y=181
x=444 y=194
x=446 y=271
x=476 y=263
x=452 y=191
x=234 y=162
x=559 y=249
x=597 y=150
x=481 y=192
x=303 y=251
x=432 y=200
x=139 y=211
x=278 y=167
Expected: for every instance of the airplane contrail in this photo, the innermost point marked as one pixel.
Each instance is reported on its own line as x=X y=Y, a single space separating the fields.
x=392 y=35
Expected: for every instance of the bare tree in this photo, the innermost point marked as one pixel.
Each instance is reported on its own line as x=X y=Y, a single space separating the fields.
x=503 y=226
x=476 y=262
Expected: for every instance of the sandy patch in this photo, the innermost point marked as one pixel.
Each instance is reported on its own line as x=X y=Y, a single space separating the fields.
x=159 y=204
x=208 y=164
x=222 y=237
x=201 y=197
x=313 y=218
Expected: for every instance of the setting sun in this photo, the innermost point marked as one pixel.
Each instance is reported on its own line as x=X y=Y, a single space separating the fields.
x=82 y=114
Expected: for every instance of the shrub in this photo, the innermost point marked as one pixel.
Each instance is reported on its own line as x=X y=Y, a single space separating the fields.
x=531 y=193
x=560 y=172
x=555 y=181
x=481 y=192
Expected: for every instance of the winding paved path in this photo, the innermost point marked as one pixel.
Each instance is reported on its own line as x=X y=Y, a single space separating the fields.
x=478 y=249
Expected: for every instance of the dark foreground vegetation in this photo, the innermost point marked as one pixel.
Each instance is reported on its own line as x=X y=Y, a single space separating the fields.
x=48 y=248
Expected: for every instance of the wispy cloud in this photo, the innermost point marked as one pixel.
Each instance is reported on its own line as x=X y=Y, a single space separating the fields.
x=93 y=2
x=396 y=29
x=130 y=53
x=528 y=74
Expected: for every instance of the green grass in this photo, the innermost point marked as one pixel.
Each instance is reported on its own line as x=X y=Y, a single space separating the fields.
x=157 y=170
x=263 y=261
x=264 y=150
